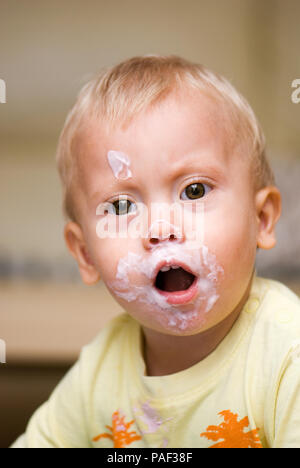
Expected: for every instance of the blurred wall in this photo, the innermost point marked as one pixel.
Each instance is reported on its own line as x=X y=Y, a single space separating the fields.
x=49 y=49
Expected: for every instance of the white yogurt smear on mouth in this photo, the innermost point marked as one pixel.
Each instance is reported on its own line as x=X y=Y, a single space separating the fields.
x=202 y=262
x=120 y=164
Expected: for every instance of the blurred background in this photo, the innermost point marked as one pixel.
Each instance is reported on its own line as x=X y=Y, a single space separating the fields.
x=48 y=50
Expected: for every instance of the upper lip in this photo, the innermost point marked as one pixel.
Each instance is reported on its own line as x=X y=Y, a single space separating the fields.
x=164 y=263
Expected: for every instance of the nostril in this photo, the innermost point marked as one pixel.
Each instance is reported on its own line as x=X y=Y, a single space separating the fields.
x=155 y=240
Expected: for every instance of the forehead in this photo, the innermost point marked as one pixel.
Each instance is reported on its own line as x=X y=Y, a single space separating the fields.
x=183 y=127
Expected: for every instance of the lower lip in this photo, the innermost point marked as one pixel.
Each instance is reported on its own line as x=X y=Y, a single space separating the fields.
x=180 y=297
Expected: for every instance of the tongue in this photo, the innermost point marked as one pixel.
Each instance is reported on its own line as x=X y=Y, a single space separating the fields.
x=176 y=280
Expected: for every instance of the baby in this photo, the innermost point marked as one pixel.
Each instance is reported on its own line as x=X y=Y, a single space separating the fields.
x=168 y=195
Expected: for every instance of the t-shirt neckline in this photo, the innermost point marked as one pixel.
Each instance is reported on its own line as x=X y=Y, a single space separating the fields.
x=202 y=374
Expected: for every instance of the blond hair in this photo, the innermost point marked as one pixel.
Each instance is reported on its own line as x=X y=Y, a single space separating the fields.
x=120 y=93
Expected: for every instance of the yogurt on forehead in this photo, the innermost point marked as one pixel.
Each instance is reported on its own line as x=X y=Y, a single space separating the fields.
x=120 y=164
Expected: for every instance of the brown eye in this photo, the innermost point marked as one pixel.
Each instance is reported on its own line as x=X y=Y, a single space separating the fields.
x=123 y=207
x=195 y=191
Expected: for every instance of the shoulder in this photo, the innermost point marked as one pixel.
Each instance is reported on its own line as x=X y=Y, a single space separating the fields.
x=115 y=328
x=279 y=290
x=278 y=304
x=108 y=343
x=65 y=419
x=273 y=361
x=276 y=330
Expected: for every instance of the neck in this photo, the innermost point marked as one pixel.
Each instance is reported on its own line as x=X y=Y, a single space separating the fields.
x=168 y=354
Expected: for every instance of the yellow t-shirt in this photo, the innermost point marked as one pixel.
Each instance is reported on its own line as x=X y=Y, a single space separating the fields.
x=246 y=393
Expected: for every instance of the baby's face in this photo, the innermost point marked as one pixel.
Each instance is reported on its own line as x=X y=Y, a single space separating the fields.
x=177 y=156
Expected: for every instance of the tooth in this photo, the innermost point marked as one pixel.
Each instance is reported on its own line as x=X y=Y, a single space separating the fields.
x=165 y=268
x=174 y=267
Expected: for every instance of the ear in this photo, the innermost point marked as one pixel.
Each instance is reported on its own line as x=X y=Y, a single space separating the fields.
x=268 y=210
x=77 y=247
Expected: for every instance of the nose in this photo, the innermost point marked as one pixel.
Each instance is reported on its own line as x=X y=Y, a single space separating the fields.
x=162 y=231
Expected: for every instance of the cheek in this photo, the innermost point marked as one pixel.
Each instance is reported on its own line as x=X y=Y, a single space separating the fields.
x=232 y=237
x=107 y=253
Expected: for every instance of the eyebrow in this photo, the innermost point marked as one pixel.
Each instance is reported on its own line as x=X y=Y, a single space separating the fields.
x=116 y=185
x=127 y=184
x=184 y=165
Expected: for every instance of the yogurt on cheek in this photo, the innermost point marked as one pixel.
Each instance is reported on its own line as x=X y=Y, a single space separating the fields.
x=154 y=306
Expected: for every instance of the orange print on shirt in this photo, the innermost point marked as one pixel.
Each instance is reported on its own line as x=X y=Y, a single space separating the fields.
x=119 y=432
x=232 y=433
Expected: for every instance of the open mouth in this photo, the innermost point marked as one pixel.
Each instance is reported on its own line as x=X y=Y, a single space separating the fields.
x=173 y=278
x=176 y=283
